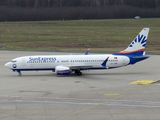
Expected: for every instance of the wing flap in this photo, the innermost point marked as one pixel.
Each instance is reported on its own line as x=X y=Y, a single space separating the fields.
x=79 y=67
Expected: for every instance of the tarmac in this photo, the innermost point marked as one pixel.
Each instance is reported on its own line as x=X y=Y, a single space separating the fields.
x=127 y=93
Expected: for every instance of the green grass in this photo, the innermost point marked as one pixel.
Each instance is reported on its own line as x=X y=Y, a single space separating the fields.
x=100 y=35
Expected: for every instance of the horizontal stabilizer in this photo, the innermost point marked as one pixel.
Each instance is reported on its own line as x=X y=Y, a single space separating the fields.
x=141 y=57
x=135 y=59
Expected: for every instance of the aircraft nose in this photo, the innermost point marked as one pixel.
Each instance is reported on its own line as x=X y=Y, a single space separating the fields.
x=8 y=65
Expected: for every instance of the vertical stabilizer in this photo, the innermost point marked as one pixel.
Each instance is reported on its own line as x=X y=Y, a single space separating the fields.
x=137 y=46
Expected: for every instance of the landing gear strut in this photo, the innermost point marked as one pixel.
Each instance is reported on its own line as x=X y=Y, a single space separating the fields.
x=19 y=73
x=78 y=72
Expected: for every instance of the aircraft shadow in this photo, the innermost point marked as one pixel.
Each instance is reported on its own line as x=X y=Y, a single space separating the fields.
x=83 y=75
x=128 y=73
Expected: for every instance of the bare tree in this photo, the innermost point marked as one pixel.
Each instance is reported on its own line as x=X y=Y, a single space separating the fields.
x=96 y=2
x=59 y=3
x=49 y=3
x=107 y=2
x=156 y=4
x=122 y=2
x=36 y=3
x=42 y=3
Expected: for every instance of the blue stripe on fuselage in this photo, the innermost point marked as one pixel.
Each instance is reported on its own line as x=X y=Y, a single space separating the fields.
x=53 y=69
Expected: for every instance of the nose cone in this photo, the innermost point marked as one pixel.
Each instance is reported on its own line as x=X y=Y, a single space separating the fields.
x=8 y=65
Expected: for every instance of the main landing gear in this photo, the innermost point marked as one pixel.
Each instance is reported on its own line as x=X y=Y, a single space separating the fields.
x=78 y=72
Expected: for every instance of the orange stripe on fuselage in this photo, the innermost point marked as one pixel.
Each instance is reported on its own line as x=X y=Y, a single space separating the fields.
x=126 y=52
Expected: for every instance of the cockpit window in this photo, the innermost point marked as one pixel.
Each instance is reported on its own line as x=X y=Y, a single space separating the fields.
x=13 y=61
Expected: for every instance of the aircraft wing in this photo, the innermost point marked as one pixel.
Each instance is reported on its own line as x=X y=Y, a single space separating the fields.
x=75 y=67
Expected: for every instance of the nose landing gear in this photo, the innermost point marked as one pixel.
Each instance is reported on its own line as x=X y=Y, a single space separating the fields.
x=19 y=73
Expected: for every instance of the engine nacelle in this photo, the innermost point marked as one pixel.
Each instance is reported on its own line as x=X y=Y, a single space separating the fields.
x=62 y=70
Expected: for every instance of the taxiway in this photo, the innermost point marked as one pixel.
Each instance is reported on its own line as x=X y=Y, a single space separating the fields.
x=96 y=95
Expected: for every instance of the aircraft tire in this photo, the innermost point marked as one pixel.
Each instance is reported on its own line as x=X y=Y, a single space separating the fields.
x=80 y=73
x=19 y=74
x=77 y=72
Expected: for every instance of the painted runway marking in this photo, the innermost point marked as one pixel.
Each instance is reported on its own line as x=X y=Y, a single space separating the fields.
x=114 y=94
x=126 y=103
x=101 y=103
x=143 y=82
x=36 y=97
x=18 y=100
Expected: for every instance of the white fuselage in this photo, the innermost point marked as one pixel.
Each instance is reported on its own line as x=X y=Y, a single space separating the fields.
x=50 y=62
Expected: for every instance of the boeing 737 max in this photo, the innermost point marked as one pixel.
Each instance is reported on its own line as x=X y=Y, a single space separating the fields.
x=66 y=64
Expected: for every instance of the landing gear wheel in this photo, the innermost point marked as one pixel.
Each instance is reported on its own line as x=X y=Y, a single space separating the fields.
x=19 y=74
x=78 y=72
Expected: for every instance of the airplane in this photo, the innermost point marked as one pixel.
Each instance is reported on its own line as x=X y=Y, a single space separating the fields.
x=66 y=64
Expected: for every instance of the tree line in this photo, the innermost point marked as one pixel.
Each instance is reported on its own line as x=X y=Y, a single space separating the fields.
x=75 y=3
x=19 y=10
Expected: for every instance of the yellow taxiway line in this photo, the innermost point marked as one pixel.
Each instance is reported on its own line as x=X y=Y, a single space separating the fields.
x=143 y=82
x=114 y=94
x=93 y=106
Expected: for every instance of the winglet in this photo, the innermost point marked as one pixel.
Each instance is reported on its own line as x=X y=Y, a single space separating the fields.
x=105 y=62
x=87 y=52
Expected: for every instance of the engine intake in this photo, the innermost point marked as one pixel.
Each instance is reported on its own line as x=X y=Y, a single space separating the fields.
x=62 y=70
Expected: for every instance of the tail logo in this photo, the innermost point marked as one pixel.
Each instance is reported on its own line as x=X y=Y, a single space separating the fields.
x=141 y=39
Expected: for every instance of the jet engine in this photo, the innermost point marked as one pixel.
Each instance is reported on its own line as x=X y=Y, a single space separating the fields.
x=62 y=70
